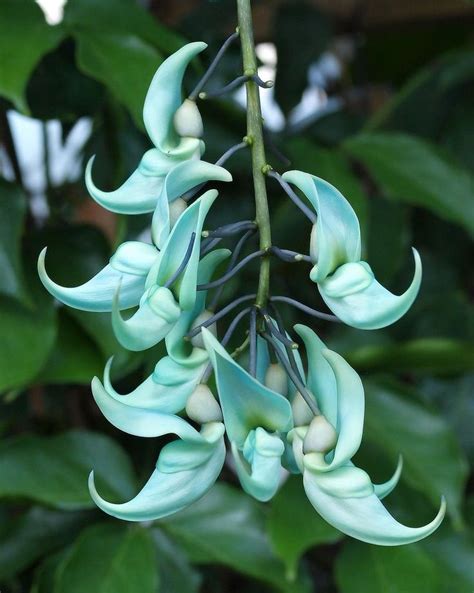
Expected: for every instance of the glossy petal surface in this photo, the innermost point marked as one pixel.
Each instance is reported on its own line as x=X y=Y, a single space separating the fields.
x=168 y=492
x=181 y=179
x=361 y=516
x=373 y=306
x=337 y=239
x=129 y=265
x=246 y=403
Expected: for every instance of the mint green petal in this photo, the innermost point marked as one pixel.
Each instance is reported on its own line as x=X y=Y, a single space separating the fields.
x=155 y=317
x=383 y=490
x=321 y=380
x=337 y=239
x=164 y=96
x=246 y=403
x=139 y=421
x=184 y=455
x=180 y=180
x=362 y=517
x=130 y=264
x=166 y=390
x=181 y=350
x=191 y=221
x=166 y=493
x=350 y=411
x=259 y=465
x=374 y=306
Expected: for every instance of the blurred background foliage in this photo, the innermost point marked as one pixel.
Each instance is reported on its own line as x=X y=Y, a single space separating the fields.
x=376 y=97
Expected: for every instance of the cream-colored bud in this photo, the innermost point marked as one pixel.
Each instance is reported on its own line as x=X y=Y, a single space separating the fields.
x=202 y=406
x=188 y=121
x=302 y=414
x=197 y=340
x=177 y=207
x=313 y=244
x=276 y=379
x=321 y=436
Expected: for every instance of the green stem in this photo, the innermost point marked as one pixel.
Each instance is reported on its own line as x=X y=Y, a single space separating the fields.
x=255 y=134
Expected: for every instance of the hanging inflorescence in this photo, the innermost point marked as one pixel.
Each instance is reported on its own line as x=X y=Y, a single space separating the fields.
x=277 y=411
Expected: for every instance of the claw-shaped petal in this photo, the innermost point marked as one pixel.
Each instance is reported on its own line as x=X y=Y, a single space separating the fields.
x=346 y=499
x=129 y=265
x=353 y=294
x=383 y=490
x=155 y=317
x=246 y=403
x=258 y=465
x=149 y=410
x=164 y=97
x=191 y=221
x=173 y=485
x=180 y=180
x=335 y=238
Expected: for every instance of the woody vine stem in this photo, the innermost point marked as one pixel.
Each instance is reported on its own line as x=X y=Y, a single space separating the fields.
x=255 y=136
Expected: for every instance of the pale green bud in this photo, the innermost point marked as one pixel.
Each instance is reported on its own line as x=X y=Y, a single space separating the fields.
x=276 y=379
x=202 y=406
x=321 y=436
x=187 y=120
x=197 y=340
x=177 y=207
x=302 y=414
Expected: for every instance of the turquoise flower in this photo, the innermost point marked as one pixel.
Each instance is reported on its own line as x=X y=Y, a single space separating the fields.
x=348 y=285
x=255 y=418
x=174 y=127
x=151 y=409
x=133 y=260
x=342 y=493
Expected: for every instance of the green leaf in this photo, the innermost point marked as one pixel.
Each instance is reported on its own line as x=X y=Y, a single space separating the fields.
x=176 y=573
x=228 y=527
x=22 y=20
x=413 y=171
x=402 y=569
x=433 y=461
x=294 y=526
x=27 y=339
x=302 y=34
x=12 y=214
x=34 y=534
x=75 y=358
x=54 y=470
x=425 y=355
x=123 y=62
x=109 y=558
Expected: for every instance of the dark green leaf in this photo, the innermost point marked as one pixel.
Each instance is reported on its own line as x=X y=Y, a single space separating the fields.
x=12 y=214
x=402 y=569
x=123 y=62
x=429 y=355
x=228 y=527
x=109 y=558
x=75 y=358
x=54 y=470
x=176 y=573
x=294 y=526
x=24 y=39
x=36 y=533
x=413 y=171
x=433 y=461
x=302 y=34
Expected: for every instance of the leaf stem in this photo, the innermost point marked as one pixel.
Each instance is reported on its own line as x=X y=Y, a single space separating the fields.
x=255 y=133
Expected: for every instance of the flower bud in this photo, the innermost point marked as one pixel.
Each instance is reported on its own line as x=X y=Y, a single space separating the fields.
x=302 y=414
x=177 y=207
x=197 y=340
x=187 y=120
x=202 y=406
x=313 y=244
x=321 y=436
x=276 y=379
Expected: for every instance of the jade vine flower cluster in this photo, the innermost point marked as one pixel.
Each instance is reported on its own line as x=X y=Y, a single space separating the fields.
x=279 y=411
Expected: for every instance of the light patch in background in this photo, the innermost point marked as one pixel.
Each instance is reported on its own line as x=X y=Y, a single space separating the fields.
x=53 y=10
